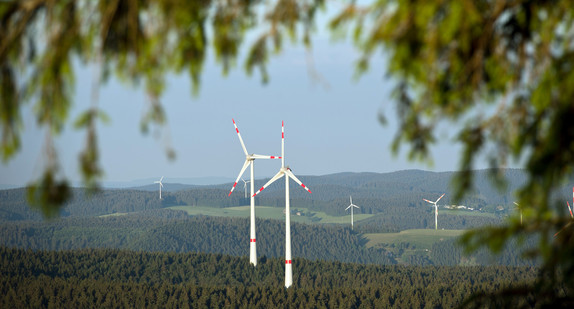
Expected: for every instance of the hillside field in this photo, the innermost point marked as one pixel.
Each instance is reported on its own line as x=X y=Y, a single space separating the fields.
x=421 y=238
x=266 y=212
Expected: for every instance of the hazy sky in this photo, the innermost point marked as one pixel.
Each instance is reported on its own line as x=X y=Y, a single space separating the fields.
x=330 y=125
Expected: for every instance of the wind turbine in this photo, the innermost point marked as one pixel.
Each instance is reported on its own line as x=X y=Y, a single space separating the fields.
x=285 y=171
x=351 y=206
x=245 y=186
x=249 y=158
x=435 y=210
x=160 y=186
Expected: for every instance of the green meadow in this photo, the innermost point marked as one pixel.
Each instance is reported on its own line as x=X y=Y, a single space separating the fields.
x=461 y=212
x=266 y=212
x=421 y=238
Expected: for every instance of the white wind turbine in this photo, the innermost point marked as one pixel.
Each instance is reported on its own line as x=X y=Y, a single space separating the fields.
x=285 y=171
x=351 y=206
x=249 y=158
x=245 y=186
x=435 y=210
x=160 y=186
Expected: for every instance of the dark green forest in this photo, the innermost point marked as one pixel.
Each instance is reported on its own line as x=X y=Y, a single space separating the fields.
x=174 y=231
x=95 y=278
x=196 y=234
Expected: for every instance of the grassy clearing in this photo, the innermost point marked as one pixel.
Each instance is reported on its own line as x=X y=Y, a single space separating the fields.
x=114 y=214
x=421 y=238
x=460 y=212
x=266 y=212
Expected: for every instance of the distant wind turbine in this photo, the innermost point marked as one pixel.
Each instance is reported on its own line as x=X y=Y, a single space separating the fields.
x=245 y=186
x=160 y=186
x=351 y=206
x=249 y=161
x=435 y=210
x=285 y=171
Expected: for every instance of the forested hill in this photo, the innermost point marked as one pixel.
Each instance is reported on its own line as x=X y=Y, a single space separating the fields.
x=373 y=192
x=119 y=278
x=196 y=234
x=174 y=231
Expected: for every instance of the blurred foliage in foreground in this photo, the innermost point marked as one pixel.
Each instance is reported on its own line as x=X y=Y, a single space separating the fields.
x=500 y=70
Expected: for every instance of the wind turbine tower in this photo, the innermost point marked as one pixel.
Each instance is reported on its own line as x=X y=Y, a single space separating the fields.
x=351 y=206
x=249 y=161
x=435 y=210
x=285 y=171
x=160 y=186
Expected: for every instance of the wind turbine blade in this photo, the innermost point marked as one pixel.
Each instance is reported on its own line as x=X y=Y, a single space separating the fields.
x=277 y=176
x=283 y=147
x=515 y=203
x=240 y=139
x=245 y=165
x=161 y=184
x=256 y=156
x=290 y=174
x=440 y=197
x=161 y=179
x=355 y=206
x=351 y=199
x=348 y=207
x=570 y=209
x=424 y=199
x=563 y=228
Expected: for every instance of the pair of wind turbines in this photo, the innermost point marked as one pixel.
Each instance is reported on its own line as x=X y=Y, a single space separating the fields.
x=284 y=171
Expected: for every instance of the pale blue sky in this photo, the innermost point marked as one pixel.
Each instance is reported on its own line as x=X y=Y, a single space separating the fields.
x=328 y=129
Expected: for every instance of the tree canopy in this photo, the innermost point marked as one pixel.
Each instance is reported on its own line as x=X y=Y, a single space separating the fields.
x=499 y=70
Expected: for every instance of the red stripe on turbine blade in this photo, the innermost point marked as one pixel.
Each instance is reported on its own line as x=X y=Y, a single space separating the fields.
x=237 y=130
x=235 y=184
x=257 y=192
x=287 y=261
